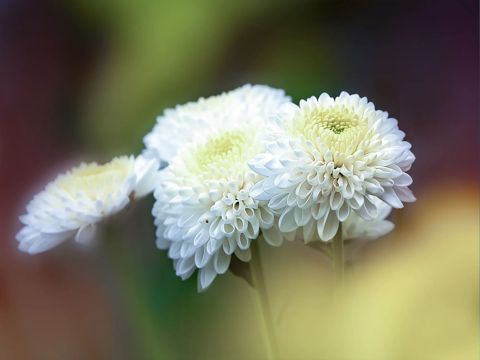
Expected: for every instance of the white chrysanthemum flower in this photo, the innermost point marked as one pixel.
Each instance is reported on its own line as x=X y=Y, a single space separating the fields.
x=177 y=126
x=74 y=202
x=204 y=213
x=329 y=157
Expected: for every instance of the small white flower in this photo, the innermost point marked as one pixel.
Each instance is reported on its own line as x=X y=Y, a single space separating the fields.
x=204 y=213
x=176 y=127
x=357 y=228
x=74 y=202
x=328 y=158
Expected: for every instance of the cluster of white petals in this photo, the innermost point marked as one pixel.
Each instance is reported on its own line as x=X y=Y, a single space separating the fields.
x=175 y=127
x=204 y=212
x=329 y=158
x=240 y=166
x=74 y=202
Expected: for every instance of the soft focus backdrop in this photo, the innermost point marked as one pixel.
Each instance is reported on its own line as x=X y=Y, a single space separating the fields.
x=84 y=79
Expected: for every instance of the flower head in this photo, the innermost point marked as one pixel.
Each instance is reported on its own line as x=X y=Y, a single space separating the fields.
x=74 y=202
x=176 y=127
x=204 y=212
x=328 y=158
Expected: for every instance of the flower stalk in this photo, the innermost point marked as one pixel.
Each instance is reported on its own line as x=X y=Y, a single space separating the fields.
x=338 y=260
x=263 y=304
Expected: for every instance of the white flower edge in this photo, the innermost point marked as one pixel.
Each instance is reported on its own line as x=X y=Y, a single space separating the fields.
x=353 y=228
x=178 y=126
x=72 y=204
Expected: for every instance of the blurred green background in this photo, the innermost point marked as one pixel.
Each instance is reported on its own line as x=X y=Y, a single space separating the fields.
x=85 y=79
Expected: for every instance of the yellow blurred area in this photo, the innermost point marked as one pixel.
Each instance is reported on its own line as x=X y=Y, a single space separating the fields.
x=413 y=295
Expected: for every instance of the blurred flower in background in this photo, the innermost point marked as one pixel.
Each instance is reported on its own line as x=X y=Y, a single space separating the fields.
x=86 y=79
x=73 y=203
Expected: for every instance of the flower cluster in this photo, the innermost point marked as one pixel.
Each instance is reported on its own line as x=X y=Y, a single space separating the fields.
x=247 y=165
x=250 y=162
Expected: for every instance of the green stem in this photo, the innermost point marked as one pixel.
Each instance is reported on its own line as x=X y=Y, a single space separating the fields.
x=135 y=293
x=338 y=260
x=261 y=298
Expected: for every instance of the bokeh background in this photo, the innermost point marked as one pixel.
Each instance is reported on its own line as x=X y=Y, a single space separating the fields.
x=84 y=79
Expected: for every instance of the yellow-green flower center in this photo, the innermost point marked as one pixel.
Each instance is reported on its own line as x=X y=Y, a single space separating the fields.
x=91 y=179
x=339 y=127
x=223 y=152
x=335 y=121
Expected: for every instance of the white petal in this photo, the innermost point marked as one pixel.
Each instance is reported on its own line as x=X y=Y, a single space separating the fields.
x=405 y=194
x=86 y=234
x=206 y=277
x=403 y=180
x=287 y=222
x=243 y=242
x=243 y=255
x=309 y=231
x=278 y=201
x=45 y=242
x=221 y=262
x=391 y=198
x=258 y=193
x=273 y=236
x=302 y=216
x=336 y=200
x=290 y=236
x=147 y=176
x=265 y=217
x=201 y=257
x=185 y=265
x=162 y=243
x=229 y=245
x=343 y=212
x=328 y=226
